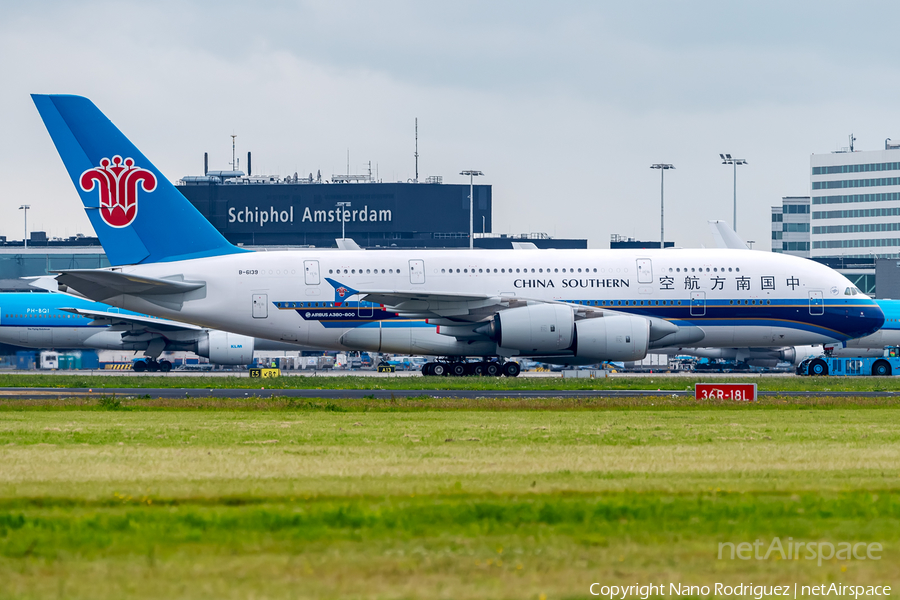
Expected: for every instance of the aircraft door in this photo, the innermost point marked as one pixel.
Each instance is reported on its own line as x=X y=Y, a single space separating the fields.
x=698 y=304
x=311 y=272
x=364 y=309
x=417 y=271
x=816 y=303
x=644 y=270
x=260 y=306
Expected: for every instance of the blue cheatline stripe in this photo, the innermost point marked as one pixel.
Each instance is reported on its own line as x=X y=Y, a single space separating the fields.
x=780 y=313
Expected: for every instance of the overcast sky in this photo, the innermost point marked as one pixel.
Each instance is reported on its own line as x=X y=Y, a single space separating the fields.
x=563 y=105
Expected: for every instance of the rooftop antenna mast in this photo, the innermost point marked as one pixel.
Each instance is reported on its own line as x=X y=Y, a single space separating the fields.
x=852 y=139
x=233 y=160
x=417 y=150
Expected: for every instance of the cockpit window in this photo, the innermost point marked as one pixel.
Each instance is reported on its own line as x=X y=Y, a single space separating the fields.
x=852 y=291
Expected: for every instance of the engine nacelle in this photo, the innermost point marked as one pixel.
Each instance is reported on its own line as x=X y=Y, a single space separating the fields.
x=537 y=329
x=798 y=354
x=223 y=348
x=612 y=338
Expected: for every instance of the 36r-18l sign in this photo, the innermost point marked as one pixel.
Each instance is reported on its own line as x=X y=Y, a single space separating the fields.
x=743 y=392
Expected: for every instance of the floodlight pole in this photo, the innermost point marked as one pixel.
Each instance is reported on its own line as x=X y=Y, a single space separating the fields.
x=25 y=207
x=728 y=160
x=341 y=206
x=662 y=204
x=472 y=175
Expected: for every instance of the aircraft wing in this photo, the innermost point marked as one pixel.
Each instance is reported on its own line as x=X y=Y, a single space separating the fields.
x=151 y=323
x=99 y=284
x=460 y=306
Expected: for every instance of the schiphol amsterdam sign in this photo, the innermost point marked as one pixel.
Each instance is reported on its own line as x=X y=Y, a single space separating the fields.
x=272 y=215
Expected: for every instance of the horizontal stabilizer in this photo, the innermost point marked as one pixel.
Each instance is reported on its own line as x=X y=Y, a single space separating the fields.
x=99 y=285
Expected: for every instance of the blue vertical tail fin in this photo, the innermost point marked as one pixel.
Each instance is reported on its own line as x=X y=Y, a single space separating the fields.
x=139 y=216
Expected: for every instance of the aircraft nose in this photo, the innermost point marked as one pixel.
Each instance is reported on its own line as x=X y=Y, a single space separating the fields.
x=870 y=318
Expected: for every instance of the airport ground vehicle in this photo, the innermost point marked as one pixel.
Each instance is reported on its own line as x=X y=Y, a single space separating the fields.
x=889 y=364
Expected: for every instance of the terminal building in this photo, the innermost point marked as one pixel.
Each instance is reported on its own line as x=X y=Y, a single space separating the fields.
x=790 y=226
x=856 y=203
x=851 y=220
x=292 y=211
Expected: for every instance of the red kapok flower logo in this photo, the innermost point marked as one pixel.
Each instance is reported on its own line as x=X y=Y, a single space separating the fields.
x=118 y=181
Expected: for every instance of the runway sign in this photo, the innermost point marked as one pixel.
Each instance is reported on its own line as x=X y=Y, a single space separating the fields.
x=742 y=392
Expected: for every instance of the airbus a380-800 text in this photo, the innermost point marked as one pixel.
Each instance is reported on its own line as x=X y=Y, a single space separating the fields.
x=561 y=306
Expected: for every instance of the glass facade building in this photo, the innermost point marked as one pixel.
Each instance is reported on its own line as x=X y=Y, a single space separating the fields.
x=790 y=226
x=855 y=204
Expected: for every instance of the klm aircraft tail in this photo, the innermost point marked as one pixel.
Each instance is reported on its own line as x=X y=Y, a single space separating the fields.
x=137 y=213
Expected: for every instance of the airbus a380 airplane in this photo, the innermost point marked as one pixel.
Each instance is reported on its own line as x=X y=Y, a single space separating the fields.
x=62 y=321
x=562 y=306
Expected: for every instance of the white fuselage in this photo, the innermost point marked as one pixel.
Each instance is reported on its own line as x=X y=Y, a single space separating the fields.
x=736 y=297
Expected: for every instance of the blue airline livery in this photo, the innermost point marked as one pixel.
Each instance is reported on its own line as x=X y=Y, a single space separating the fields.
x=562 y=306
x=39 y=320
x=873 y=345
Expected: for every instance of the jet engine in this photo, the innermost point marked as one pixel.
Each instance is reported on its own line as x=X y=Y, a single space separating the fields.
x=223 y=348
x=612 y=338
x=548 y=329
x=538 y=329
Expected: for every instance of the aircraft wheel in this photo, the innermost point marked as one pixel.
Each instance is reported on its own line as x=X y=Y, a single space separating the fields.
x=438 y=369
x=818 y=367
x=152 y=366
x=458 y=369
x=478 y=369
x=492 y=369
x=165 y=366
x=139 y=366
x=426 y=369
x=881 y=367
x=511 y=369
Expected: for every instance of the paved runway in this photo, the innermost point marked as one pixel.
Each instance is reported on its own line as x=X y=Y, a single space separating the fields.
x=33 y=393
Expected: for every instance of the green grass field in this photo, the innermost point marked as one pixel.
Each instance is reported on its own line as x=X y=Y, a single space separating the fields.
x=416 y=382
x=273 y=499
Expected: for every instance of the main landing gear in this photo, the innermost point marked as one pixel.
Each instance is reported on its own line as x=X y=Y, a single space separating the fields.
x=460 y=368
x=148 y=364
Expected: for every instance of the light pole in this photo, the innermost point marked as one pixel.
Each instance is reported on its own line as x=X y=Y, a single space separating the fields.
x=472 y=175
x=342 y=206
x=728 y=160
x=25 y=207
x=662 y=204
